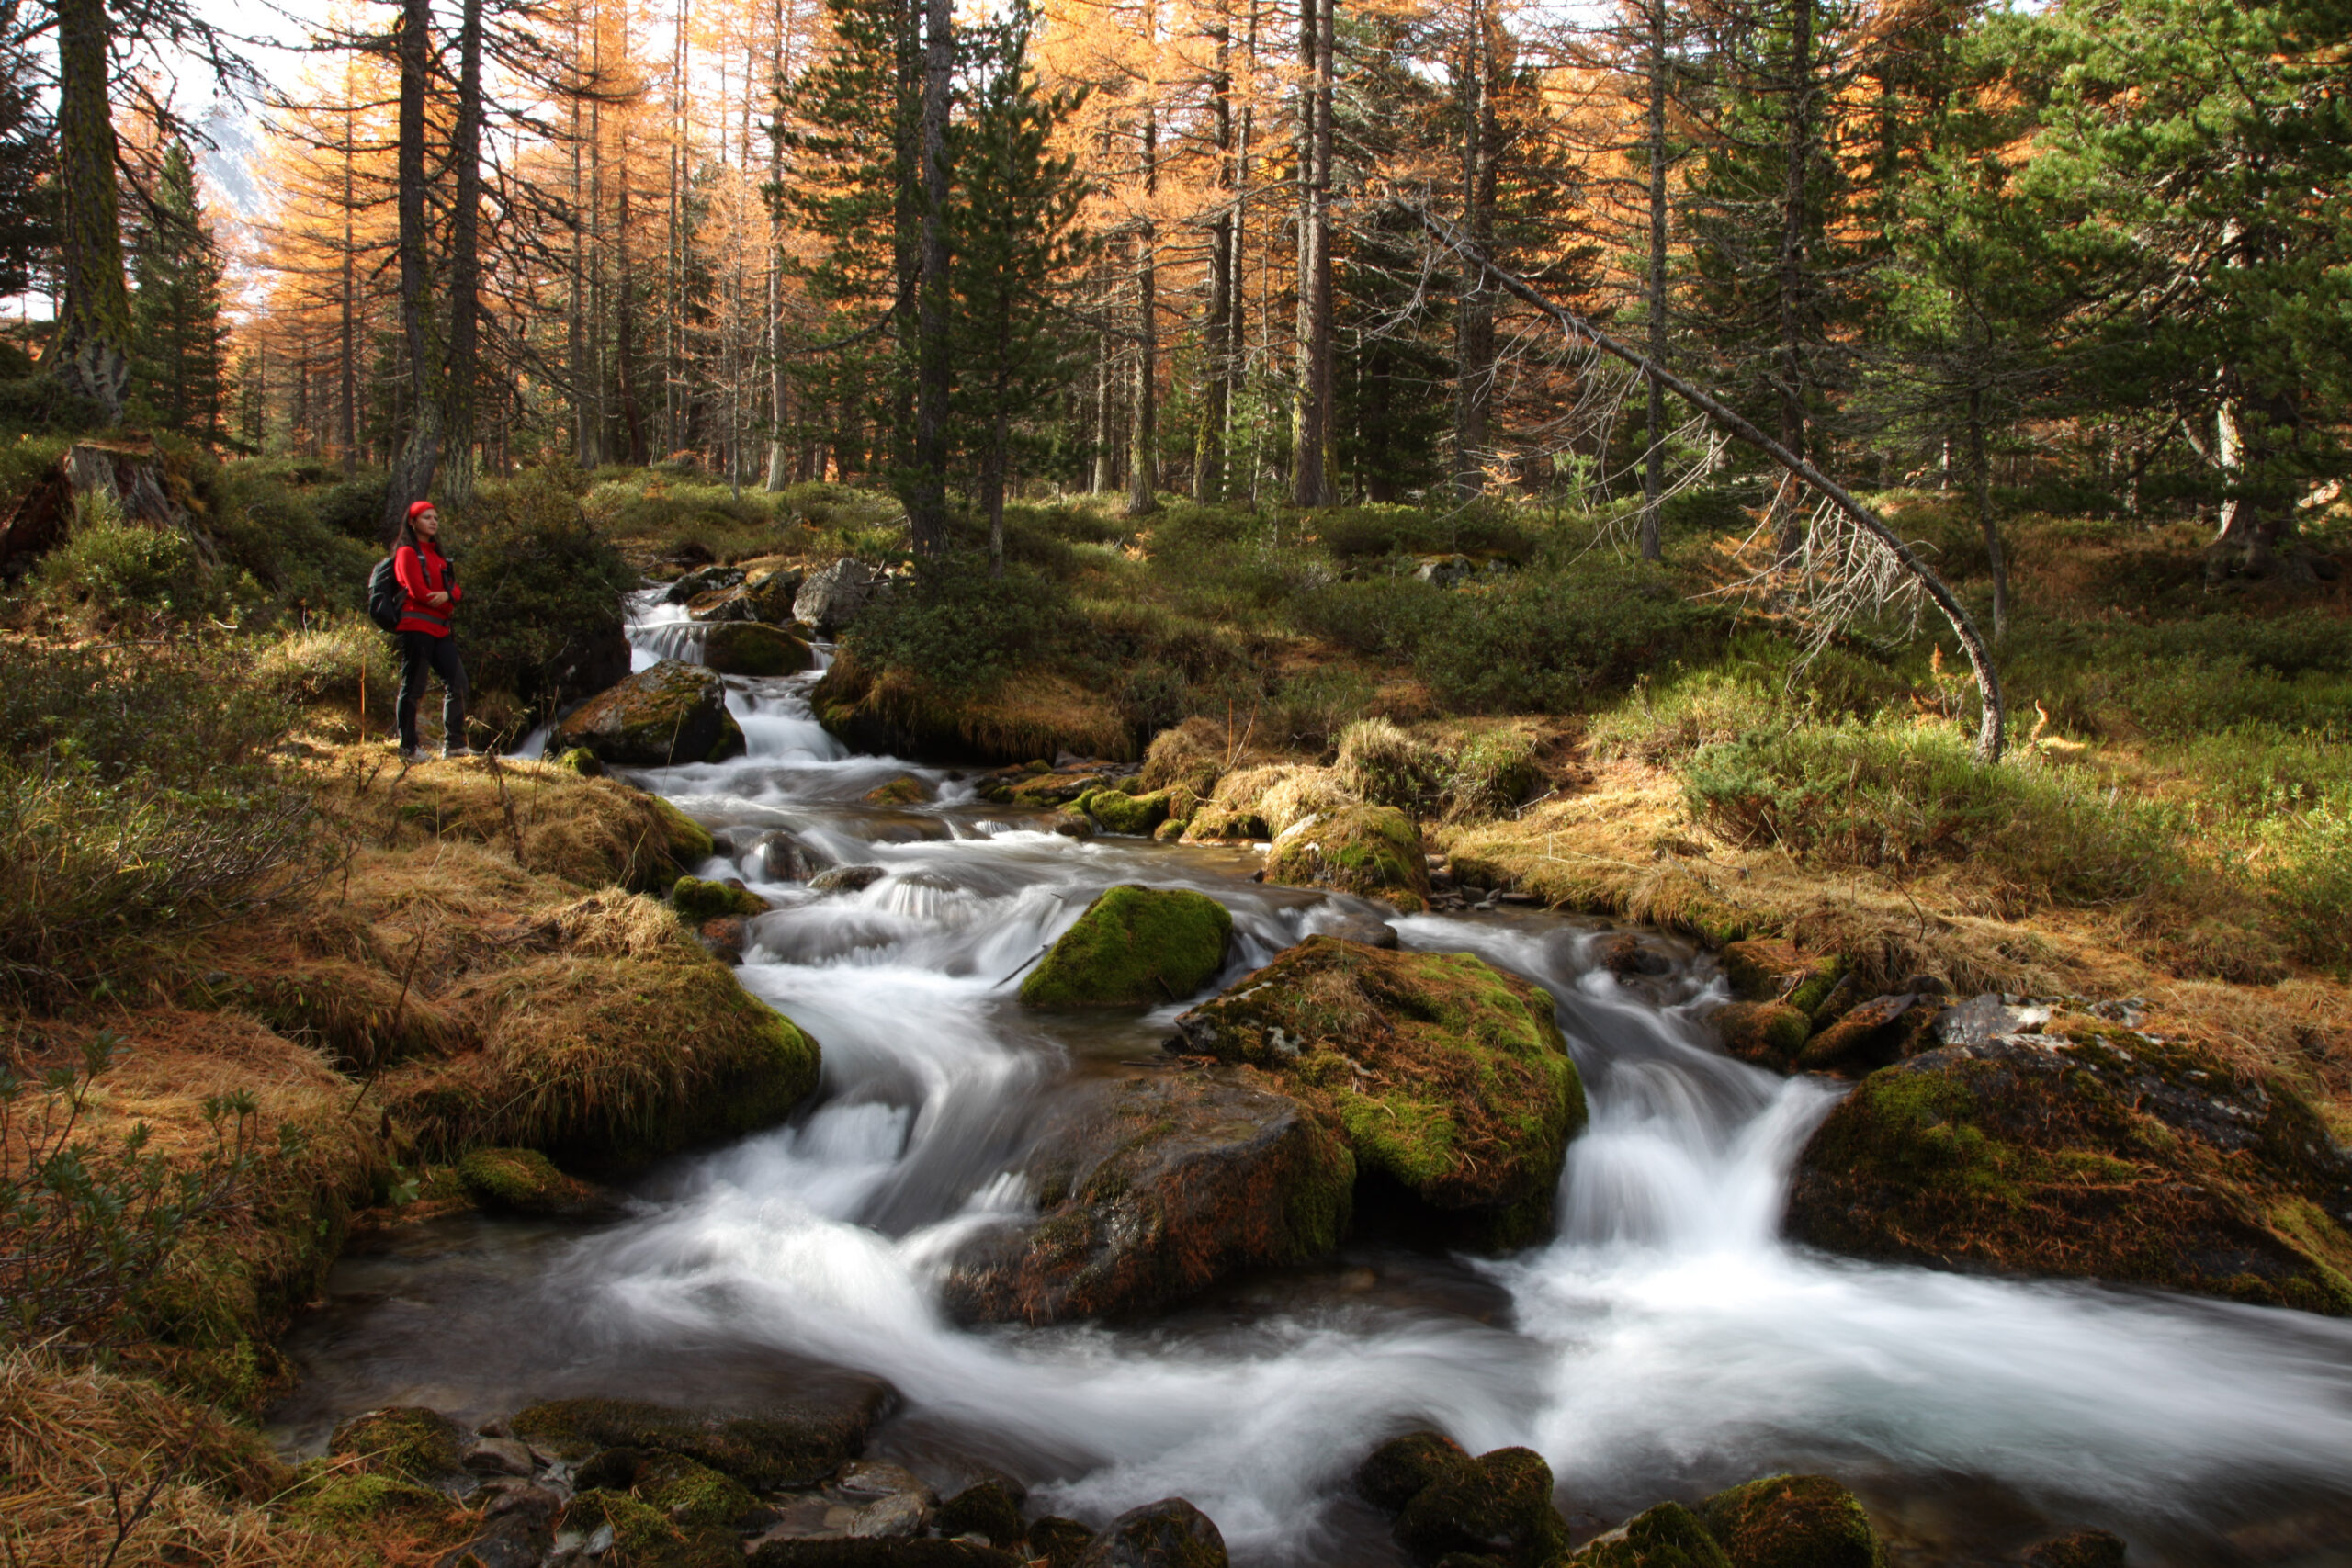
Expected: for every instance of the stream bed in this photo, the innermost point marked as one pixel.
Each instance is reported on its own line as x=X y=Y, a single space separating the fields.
x=1664 y=1343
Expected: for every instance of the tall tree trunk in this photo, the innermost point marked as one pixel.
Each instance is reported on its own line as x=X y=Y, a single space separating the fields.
x=1311 y=423
x=1980 y=475
x=412 y=476
x=1208 y=444
x=927 y=495
x=1653 y=545
x=1474 y=382
x=1237 y=336
x=1792 y=270
x=465 y=260
x=91 y=354
x=1143 y=411
x=347 y=356
x=779 y=384
x=1105 y=475
x=625 y=316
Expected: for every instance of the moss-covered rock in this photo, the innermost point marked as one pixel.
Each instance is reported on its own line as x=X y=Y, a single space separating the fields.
x=797 y=1443
x=1669 y=1536
x=693 y=1495
x=1215 y=823
x=1767 y=969
x=404 y=1440
x=1170 y=1534
x=989 y=1510
x=689 y=842
x=1793 y=1521
x=2087 y=1151
x=1149 y=1189
x=1060 y=1541
x=1393 y=1474
x=1768 y=1034
x=644 y=1537
x=770 y=594
x=362 y=1501
x=1450 y=1078
x=1372 y=850
x=1120 y=812
x=1876 y=1033
x=525 y=1182
x=919 y=1552
x=2079 y=1549
x=582 y=761
x=697 y=900
x=1135 y=946
x=747 y=648
x=1498 y=1506
x=671 y=713
x=904 y=790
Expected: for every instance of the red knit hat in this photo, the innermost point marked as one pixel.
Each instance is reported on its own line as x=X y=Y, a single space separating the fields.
x=416 y=507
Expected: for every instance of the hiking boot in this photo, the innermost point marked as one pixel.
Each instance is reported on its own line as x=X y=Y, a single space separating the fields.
x=409 y=756
x=454 y=752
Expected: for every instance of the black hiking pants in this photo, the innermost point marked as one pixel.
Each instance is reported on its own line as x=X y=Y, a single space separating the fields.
x=422 y=654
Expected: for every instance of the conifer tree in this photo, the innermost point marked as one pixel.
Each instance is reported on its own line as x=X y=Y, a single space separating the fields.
x=180 y=344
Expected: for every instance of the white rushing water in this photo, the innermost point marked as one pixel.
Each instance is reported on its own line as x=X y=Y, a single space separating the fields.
x=1666 y=1342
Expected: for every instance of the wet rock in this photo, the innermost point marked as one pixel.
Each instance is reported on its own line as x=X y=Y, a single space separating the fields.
x=723 y=606
x=725 y=938
x=1981 y=1020
x=671 y=713
x=1498 y=1506
x=1449 y=1079
x=694 y=584
x=832 y=596
x=846 y=879
x=904 y=790
x=989 y=1510
x=1877 y=1033
x=641 y=1536
x=841 y=1553
x=1625 y=958
x=1766 y=1035
x=748 y=647
x=697 y=900
x=2080 y=1549
x=1669 y=1536
x=786 y=857
x=896 y=1518
x=1213 y=824
x=1119 y=812
x=1060 y=1541
x=772 y=595
x=513 y=1542
x=1170 y=1534
x=1373 y=852
x=1792 y=1521
x=877 y=1478
x=797 y=1443
x=1393 y=1474
x=525 y=1182
x=1149 y=1189
x=1363 y=928
x=2089 y=1151
x=1135 y=946
x=1073 y=825
x=403 y=1441
x=1771 y=970
x=499 y=1456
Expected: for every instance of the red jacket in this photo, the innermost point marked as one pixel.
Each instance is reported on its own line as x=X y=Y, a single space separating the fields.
x=424 y=573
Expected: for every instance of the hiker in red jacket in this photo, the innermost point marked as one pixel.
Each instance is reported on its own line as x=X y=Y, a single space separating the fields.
x=430 y=581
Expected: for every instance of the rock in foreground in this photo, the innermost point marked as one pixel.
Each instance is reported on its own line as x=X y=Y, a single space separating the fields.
x=796 y=1444
x=1135 y=946
x=673 y=713
x=1372 y=850
x=747 y=648
x=1793 y=1521
x=1449 y=1078
x=2089 y=1151
x=1496 y=1508
x=1149 y=1189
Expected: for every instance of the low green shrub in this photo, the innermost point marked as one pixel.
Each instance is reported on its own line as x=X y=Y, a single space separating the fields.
x=1387 y=767
x=329 y=662
x=117 y=570
x=355 y=508
x=543 y=586
x=958 y=629
x=275 y=534
x=1552 y=641
x=2309 y=879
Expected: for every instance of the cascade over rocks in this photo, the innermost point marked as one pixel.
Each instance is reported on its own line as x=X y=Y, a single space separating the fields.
x=1450 y=1078
x=1149 y=1189
x=2089 y=1151
x=672 y=713
x=1135 y=946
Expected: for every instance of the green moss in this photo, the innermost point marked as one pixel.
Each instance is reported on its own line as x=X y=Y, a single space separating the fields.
x=1395 y=1473
x=693 y=1495
x=1768 y=1034
x=523 y=1181
x=1134 y=946
x=1793 y=1521
x=904 y=790
x=747 y=648
x=690 y=844
x=1060 y=1541
x=1119 y=812
x=1498 y=1505
x=987 y=1509
x=1372 y=850
x=347 y=1499
x=643 y=1537
x=1669 y=1536
x=1768 y=970
x=1217 y=824
x=697 y=900
x=582 y=761
x=401 y=1440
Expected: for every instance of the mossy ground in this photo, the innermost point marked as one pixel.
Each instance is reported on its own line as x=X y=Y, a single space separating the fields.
x=1135 y=946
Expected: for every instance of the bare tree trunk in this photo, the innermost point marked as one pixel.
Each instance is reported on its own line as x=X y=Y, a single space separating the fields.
x=347 y=358
x=1980 y=474
x=1473 y=383
x=412 y=478
x=465 y=261
x=1143 y=411
x=1311 y=424
x=1104 y=474
x=91 y=353
x=1791 y=536
x=1208 y=444
x=1654 y=461
x=779 y=384
x=927 y=499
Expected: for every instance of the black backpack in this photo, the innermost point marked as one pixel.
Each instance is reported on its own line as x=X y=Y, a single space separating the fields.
x=386 y=598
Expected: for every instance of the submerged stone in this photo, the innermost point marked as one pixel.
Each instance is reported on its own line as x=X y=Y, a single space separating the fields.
x=795 y=1443
x=2091 y=1152
x=1450 y=1078
x=1135 y=946
x=987 y=1509
x=1149 y=1189
x=2079 y=1549
x=1170 y=1534
x=1793 y=1521
x=1373 y=852
x=672 y=713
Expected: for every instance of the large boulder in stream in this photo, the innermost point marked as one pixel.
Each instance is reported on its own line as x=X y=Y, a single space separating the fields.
x=2086 y=1150
x=832 y=596
x=1793 y=1521
x=1373 y=852
x=1450 y=1078
x=672 y=713
x=1149 y=1189
x=1135 y=946
x=798 y=1442
x=747 y=648
x=1496 y=1508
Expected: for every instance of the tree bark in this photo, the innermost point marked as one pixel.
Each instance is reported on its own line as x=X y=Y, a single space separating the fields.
x=1143 y=409
x=465 y=261
x=779 y=385
x=348 y=360
x=1980 y=474
x=1474 y=382
x=1653 y=546
x=90 y=356
x=412 y=471
x=1208 y=444
x=927 y=497
x=1311 y=422
x=1792 y=269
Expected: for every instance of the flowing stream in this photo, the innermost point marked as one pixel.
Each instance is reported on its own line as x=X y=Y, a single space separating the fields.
x=1667 y=1342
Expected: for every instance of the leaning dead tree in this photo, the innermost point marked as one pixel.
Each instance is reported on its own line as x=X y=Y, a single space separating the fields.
x=1869 y=561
